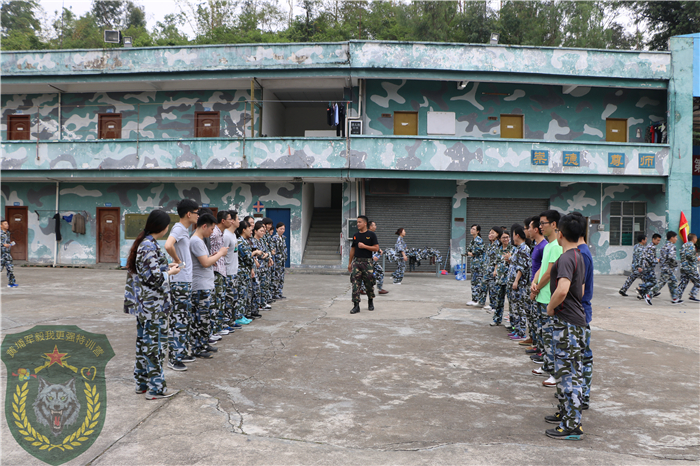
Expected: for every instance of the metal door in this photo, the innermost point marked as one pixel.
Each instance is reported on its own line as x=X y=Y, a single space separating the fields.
x=206 y=125
x=284 y=216
x=17 y=218
x=110 y=126
x=425 y=219
x=512 y=126
x=616 y=130
x=108 y=223
x=405 y=123
x=18 y=127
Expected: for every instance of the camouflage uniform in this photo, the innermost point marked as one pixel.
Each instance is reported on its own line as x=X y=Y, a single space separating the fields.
x=668 y=263
x=147 y=296
x=400 y=263
x=180 y=320
x=648 y=261
x=243 y=278
x=489 y=283
x=689 y=270
x=362 y=272
x=520 y=301
x=6 y=257
x=568 y=370
x=216 y=241
x=378 y=273
x=267 y=285
x=500 y=282
x=202 y=302
x=636 y=265
x=280 y=260
x=256 y=296
x=476 y=247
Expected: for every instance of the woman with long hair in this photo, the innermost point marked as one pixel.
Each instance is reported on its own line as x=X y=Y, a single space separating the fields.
x=147 y=296
x=259 y=256
x=245 y=270
x=400 y=249
x=492 y=256
x=475 y=250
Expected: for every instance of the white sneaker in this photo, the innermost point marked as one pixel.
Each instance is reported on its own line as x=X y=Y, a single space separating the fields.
x=215 y=337
x=472 y=303
x=223 y=332
x=267 y=306
x=397 y=283
x=550 y=382
x=487 y=307
x=540 y=371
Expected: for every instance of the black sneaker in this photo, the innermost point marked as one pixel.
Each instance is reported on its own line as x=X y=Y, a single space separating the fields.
x=532 y=351
x=676 y=301
x=203 y=355
x=658 y=293
x=647 y=299
x=177 y=366
x=555 y=419
x=494 y=324
x=584 y=406
x=164 y=394
x=623 y=293
x=370 y=305
x=694 y=299
x=355 y=309
x=210 y=349
x=141 y=389
x=560 y=434
x=188 y=358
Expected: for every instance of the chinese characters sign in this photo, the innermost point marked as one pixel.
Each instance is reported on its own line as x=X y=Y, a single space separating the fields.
x=539 y=157
x=616 y=160
x=647 y=160
x=571 y=158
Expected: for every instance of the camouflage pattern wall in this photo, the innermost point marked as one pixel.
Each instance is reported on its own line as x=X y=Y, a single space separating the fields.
x=136 y=198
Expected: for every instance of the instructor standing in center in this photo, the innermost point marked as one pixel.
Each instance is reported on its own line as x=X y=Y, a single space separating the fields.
x=360 y=266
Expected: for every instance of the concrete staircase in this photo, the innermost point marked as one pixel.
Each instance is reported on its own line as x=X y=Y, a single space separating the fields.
x=324 y=239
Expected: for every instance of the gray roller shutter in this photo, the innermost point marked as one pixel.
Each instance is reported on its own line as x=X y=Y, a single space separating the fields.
x=501 y=212
x=426 y=220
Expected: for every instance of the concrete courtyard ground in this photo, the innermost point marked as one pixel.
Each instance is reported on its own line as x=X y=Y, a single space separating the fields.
x=422 y=380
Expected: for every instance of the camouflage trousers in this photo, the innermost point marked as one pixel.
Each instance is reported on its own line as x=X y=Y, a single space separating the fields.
x=568 y=342
x=378 y=277
x=265 y=282
x=648 y=281
x=256 y=300
x=689 y=275
x=180 y=320
x=218 y=308
x=667 y=276
x=545 y=325
x=633 y=276
x=487 y=287
x=362 y=272
x=278 y=278
x=151 y=336
x=500 y=293
x=477 y=291
x=587 y=360
x=230 y=303
x=242 y=303
x=6 y=262
x=400 y=269
x=532 y=316
x=519 y=310
x=201 y=327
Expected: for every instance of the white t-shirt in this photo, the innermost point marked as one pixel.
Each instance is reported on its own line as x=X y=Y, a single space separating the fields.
x=231 y=242
x=202 y=277
x=182 y=247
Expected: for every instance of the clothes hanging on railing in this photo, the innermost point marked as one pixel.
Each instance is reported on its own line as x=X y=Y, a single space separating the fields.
x=335 y=115
x=656 y=133
x=57 y=226
x=78 y=224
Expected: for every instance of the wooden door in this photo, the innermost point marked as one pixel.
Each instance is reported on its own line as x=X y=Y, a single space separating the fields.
x=616 y=130
x=18 y=127
x=110 y=125
x=17 y=218
x=406 y=123
x=108 y=223
x=512 y=126
x=206 y=125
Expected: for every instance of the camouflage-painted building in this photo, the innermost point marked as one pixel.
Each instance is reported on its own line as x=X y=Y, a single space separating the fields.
x=436 y=137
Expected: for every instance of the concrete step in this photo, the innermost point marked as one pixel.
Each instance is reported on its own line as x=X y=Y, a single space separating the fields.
x=329 y=257
x=320 y=262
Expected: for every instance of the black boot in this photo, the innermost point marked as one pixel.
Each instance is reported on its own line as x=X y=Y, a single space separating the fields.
x=355 y=309
x=370 y=304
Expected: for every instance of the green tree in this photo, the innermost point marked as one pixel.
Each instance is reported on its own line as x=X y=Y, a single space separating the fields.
x=665 y=19
x=20 y=27
x=167 y=32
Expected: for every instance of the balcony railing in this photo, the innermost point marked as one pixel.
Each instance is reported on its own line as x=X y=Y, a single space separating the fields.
x=410 y=153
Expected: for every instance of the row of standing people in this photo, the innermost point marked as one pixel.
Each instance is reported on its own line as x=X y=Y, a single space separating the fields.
x=551 y=323
x=645 y=259
x=221 y=277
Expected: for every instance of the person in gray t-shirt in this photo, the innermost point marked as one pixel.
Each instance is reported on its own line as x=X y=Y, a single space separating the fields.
x=231 y=261
x=203 y=285
x=178 y=246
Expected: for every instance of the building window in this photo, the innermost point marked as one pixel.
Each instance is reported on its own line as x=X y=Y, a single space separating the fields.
x=627 y=220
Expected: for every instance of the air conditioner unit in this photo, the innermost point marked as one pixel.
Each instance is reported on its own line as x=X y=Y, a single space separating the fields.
x=354 y=126
x=113 y=37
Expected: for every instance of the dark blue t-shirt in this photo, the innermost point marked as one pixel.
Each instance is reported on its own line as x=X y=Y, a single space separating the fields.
x=537 y=252
x=588 y=293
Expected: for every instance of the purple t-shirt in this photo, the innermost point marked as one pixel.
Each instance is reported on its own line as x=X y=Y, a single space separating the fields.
x=537 y=252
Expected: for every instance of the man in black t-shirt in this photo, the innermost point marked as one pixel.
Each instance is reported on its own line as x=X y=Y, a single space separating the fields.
x=567 y=281
x=360 y=266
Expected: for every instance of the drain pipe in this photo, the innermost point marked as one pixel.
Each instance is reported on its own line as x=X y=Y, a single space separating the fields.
x=55 y=249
